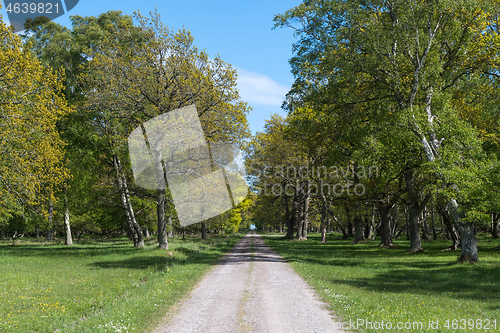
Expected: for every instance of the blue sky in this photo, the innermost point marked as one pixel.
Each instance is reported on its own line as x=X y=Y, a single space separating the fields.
x=239 y=31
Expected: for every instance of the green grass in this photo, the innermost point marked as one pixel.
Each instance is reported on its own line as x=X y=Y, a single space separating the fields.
x=365 y=282
x=106 y=286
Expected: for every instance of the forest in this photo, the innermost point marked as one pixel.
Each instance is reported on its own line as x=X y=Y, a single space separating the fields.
x=392 y=126
x=70 y=99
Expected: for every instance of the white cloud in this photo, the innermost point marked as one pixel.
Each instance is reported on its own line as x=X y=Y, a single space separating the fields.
x=260 y=89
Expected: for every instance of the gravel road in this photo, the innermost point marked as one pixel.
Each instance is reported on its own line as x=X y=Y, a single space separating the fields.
x=251 y=290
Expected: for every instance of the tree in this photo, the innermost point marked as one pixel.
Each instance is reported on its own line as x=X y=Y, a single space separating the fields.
x=31 y=150
x=64 y=50
x=139 y=73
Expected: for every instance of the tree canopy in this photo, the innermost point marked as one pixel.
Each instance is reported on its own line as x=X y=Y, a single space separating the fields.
x=31 y=103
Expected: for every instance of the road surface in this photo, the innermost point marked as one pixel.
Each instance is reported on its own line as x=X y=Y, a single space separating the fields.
x=251 y=290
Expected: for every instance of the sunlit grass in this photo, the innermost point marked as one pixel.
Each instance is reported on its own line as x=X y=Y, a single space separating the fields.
x=365 y=282
x=99 y=286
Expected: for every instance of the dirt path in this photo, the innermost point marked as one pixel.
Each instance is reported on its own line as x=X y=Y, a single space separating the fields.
x=251 y=290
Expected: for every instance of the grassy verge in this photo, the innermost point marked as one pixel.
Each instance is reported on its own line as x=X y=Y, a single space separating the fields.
x=367 y=286
x=106 y=286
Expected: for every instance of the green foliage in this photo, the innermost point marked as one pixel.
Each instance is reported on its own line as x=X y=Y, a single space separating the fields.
x=31 y=150
x=93 y=54
x=398 y=85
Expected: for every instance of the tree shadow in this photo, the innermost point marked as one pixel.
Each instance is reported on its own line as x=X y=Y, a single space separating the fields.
x=191 y=256
x=64 y=251
x=431 y=272
x=479 y=283
x=243 y=252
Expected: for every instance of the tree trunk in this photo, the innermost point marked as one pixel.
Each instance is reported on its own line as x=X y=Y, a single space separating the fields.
x=455 y=237
x=293 y=217
x=394 y=220
x=51 y=220
x=300 y=215
x=323 y=218
x=433 y=224
x=370 y=225
x=130 y=232
x=344 y=233
x=300 y=225
x=349 y=222
x=466 y=230
x=69 y=239
x=289 y=219
x=425 y=225
x=468 y=241
x=400 y=232
x=359 y=229
x=134 y=227
x=415 y=241
x=162 y=223
x=203 y=230
x=305 y=215
x=414 y=210
x=407 y=223
x=349 y=227
x=170 y=227
x=385 y=226
x=495 y=231
x=146 y=232
x=160 y=199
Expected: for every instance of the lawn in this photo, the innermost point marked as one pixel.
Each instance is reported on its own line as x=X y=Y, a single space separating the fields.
x=371 y=288
x=98 y=286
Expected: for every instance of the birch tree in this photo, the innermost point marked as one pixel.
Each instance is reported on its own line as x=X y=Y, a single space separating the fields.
x=399 y=60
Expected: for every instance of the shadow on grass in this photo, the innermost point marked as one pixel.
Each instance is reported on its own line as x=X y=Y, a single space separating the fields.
x=155 y=261
x=346 y=254
x=459 y=282
x=103 y=248
x=397 y=271
x=64 y=251
x=245 y=251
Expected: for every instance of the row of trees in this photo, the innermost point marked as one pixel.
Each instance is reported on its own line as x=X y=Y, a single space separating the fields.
x=394 y=108
x=69 y=99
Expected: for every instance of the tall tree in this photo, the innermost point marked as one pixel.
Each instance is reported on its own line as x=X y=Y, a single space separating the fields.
x=64 y=49
x=139 y=73
x=31 y=150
